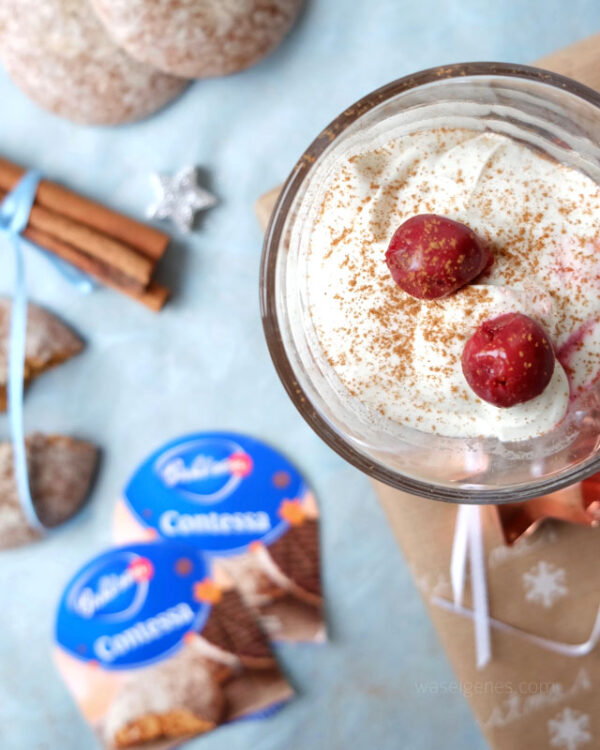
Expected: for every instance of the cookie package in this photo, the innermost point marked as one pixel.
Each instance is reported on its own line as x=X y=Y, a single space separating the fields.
x=245 y=507
x=156 y=649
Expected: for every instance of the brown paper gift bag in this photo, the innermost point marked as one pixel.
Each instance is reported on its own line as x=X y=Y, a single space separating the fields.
x=546 y=585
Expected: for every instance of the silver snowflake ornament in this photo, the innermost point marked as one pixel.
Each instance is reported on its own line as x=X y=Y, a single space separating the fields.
x=180 y=197
x=569 y=730
x=545 y=584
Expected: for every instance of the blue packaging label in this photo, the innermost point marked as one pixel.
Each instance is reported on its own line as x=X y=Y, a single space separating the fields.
x=221 y=490
x=132 y=605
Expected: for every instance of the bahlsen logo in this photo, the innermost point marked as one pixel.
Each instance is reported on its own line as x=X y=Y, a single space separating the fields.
x=205 y=470
x=131 y=606
x=222 y=489
x=114 y=590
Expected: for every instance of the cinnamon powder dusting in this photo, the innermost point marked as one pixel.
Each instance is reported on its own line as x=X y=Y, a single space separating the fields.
x=400 y=356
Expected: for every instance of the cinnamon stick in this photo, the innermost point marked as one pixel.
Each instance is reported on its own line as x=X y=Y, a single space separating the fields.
x=126 y=261
x=86 y=263
x=147 y=240
x=153 y=296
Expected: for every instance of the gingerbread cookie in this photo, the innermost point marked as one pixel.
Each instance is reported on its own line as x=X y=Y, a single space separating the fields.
x=198 y=38
x=61 y=471
x=293 y=561
x=60 y=55
x=49 y=343
x=231 y=628
x=176 y=698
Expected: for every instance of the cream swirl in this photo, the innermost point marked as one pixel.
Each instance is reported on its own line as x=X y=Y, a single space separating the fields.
x=400 y=357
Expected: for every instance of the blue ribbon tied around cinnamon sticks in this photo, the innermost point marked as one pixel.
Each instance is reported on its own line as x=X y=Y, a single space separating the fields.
x=14 y=217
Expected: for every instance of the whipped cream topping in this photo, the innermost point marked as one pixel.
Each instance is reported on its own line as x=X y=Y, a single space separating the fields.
x=399 y=356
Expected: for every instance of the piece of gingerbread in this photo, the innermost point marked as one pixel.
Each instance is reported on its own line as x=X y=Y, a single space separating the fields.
x=61 y=472
x=59 y=54
x=198 y=38
x=292 y=560
x=177 y=698
x=232 y=629
x=49 y=342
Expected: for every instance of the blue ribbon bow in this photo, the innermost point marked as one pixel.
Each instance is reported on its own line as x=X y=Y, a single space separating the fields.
x=14 y=216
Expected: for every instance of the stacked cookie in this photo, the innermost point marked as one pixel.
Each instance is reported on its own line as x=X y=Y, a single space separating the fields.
x=114 y=61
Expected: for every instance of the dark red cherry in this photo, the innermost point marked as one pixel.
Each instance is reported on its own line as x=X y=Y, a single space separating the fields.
x=508 y=360
x=431 y=256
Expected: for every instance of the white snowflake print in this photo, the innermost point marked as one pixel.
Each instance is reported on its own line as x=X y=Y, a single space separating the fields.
x=544 y=584
x=569 y=730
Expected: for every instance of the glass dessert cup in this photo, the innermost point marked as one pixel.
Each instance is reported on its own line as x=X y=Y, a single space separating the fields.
x=548 y=112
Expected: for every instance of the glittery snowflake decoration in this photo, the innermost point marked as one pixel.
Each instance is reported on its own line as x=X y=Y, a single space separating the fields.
x=569 y=730
x=544 y=584
x=180 y=197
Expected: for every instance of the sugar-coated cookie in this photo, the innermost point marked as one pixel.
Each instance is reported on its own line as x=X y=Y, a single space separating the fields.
x=61 y=471
x=60 y=55
x=49 y=343
x=198 y=38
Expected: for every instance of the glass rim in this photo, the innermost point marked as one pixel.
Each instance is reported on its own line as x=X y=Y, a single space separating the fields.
x=272 y=331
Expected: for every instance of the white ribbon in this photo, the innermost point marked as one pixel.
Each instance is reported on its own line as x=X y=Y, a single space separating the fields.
x=468 y=549
x=557 y=647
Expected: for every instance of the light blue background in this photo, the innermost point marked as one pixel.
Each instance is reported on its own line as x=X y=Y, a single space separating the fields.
x=203 y=364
